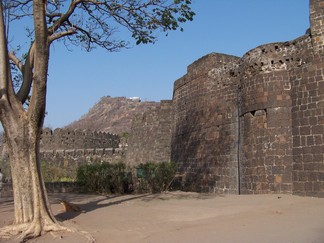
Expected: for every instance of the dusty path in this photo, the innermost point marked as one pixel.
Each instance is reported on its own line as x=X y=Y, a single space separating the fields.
x=187 y=217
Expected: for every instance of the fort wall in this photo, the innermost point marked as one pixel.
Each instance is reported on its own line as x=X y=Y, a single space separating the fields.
x=66 y=149
x=254 y=124
x=265 y=149
x=308 y=110
x=150 y=136
x=205 y=116
x=70 y=159
x=77 y=139
x=246 y=125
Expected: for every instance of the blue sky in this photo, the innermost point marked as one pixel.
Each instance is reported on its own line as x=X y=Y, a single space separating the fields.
x=77 y=79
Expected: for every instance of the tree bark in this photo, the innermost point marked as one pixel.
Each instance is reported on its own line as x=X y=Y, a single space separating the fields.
x=30 y=198
x=22 y=129
x=33 y=215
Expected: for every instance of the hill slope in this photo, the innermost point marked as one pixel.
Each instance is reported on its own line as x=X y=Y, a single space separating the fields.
x=112 y=115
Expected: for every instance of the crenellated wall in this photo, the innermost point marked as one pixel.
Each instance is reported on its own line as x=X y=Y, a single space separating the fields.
x=70 y=159
x=246 y=125
x=77 y=139
x=67 y=149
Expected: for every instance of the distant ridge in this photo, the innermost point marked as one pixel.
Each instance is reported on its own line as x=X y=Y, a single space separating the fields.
x=112 y=115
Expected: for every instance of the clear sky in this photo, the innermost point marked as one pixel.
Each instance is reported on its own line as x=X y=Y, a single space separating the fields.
x=77 y=79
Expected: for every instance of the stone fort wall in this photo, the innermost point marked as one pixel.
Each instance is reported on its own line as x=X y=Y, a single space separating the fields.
x=77 y=139
x=204 y=138
x=308 y=111
x=68 y=149
x=150 y=136
x=246 y=125
x=254 y=124
x=70 y=159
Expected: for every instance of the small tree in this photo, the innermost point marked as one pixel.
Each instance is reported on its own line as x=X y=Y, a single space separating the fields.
x=88 y=23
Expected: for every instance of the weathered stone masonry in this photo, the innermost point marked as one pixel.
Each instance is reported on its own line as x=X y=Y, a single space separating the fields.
x=308 y=111
x=81 y=139
x=150 y=137
x=254 y=124
x=68 y=149
x=204 y=138
x=235 y=125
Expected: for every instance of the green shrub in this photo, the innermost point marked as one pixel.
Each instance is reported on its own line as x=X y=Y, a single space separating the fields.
x=155 y=177
x=66 y=179
x=54 y=173
x=104 y=177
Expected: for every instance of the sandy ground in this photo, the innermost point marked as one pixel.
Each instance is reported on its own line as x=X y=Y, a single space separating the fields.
x=186 y=217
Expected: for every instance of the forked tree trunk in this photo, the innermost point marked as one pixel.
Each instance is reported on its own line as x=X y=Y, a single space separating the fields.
x=22 y=129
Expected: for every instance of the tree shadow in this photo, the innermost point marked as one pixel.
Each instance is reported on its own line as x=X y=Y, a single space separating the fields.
x=6 y=204
x=6 y=200
x=98 y=202
x=179 y=195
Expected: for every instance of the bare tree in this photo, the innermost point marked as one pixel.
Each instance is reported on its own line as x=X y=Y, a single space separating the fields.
x=88 y=23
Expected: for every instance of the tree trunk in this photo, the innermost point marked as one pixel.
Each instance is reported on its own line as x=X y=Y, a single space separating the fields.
x=29 y=191
x=32 y=209
x=22 y=129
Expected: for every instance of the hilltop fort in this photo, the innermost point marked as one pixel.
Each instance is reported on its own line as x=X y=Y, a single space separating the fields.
x=251 y=124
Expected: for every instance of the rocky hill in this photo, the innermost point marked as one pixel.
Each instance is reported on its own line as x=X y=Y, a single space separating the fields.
x=112 y=114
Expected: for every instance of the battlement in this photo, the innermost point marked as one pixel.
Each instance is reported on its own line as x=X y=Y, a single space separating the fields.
x=75 y=139
x=275 y=56
x=60 y=153
x=203 y=65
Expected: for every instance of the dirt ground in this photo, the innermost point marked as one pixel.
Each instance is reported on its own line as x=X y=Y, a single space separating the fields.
x=185 y=217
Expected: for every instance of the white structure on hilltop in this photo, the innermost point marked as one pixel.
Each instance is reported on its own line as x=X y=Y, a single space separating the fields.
x=138 y=99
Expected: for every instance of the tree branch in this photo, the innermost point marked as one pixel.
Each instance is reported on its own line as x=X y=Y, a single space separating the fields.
x=4 y=65
x=27 y=71
x=8 y=101
x=36 y=109
x=61 y=34
x=64 y=17
x=16 y=61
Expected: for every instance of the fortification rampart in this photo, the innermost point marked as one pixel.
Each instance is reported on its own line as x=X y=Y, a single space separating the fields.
x=235 y=125
x=70 y=159
x=67 y=149
x=265 y=104
x=316 y=9
x=150 y=137
x=254 y=124
x=308 y=111
x=205 y=115
x=77 y=139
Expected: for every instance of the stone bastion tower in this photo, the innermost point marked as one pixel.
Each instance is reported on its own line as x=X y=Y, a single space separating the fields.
x=205 y=130
x=254 y=124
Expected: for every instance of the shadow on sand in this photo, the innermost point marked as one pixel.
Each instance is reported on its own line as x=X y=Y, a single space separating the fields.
x=96 y=203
